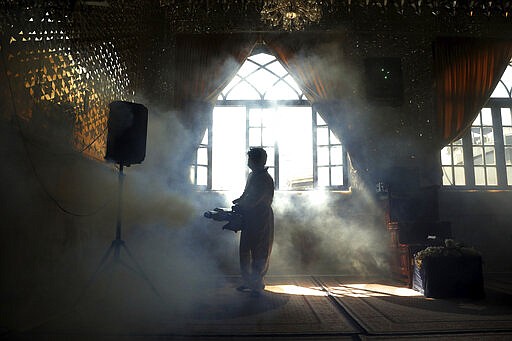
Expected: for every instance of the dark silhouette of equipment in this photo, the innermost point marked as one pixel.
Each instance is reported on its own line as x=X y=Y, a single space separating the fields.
x=128 y=122
x=127 y=131
x=232 y=216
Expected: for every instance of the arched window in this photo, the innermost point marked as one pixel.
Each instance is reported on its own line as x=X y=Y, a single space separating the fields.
x=483 y=157
x=263 y=106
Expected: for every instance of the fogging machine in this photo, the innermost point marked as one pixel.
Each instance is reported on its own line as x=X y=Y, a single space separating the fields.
x=232 y=216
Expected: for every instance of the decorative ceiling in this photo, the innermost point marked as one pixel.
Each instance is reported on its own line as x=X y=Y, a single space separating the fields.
x=291 y=15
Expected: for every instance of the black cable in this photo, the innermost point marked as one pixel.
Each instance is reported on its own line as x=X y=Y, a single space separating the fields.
x=25 y=147
x=81 y=151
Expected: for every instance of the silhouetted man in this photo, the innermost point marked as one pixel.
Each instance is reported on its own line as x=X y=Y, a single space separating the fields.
x=258 y=222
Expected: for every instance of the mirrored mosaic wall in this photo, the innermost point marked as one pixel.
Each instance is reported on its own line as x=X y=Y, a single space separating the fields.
x=65 y=62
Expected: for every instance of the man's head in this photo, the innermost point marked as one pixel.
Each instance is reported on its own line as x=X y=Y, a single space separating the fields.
x=257 y=157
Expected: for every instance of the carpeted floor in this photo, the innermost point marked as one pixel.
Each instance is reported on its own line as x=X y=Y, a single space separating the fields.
x=379 y=310
x=291 y=308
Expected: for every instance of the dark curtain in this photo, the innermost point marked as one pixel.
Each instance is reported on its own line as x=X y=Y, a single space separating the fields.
x=466 y=72
x=204 y=66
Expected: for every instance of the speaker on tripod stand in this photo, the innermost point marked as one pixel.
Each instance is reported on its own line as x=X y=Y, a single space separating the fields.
x=126 y=145
x=127 y=130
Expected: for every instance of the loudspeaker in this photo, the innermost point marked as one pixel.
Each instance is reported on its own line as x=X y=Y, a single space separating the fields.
x=127 y=130
x=384 y=80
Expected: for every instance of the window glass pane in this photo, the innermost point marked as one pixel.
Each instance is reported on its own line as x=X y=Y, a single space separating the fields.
x=202 y=176
x=268 y=117
x=479 y=176
x=509 y=176
x=492 y=178
x=488 y=135
x=323 y=176
x=192 y=174
x=268 y=136
x=319 y=120
x=478 y=153
x=323 y=156
x=476 y=135
x=243 y=91
x=262 y=58
x=293 y=178
x=500 y=91
x=458 y=156
x=205 y=137
x=282 y=91
x=489 y=156
x=336 y=155
x=476 y=122
x=506 y=118
x=277 y=68
x=458 y=142
x=334 y=139
x=202 y=156
x=254 y=137
x=270 y=156
x=231 y=84
x=504 y=87
x=460 y=176
x=336 y=176
x=293 y=84
x=228 y=148
x=508 y=155
x=322 y=134
x=447 y=176
x=446 y=156
x=246 y=69
x=295 y=145
x=507 y=136
x=262 y=80
x=486 y=117
x=255 y=117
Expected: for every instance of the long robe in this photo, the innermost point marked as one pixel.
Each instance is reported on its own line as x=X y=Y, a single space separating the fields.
x=257 y=233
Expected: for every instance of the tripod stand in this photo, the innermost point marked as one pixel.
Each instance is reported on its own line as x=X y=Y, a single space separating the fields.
x=117 y=245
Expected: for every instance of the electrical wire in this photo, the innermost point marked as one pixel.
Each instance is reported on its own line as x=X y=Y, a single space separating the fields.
x=81 y=151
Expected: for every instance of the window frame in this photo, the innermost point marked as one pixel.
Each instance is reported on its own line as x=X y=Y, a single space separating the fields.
x=262 y=103
x=495 y=105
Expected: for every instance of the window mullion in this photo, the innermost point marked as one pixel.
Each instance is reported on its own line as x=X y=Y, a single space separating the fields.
x=345 y=166
x=499 y=148
x=247 y=129
x=315 y=148
x=276 y=157
x=209 y=149
x=467 y=145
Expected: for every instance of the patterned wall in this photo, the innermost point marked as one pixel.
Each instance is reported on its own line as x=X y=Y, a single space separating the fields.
x=65 y=62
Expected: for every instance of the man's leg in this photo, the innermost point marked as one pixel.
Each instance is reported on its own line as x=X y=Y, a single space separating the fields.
x=245 y=262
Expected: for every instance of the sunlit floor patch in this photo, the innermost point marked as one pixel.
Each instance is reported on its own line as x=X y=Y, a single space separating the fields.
x=346 y=290
x=371 y=290
x=291 y=289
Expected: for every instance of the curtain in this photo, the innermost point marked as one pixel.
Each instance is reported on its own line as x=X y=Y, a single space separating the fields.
x=466 y=72
x=328 y=80
x=204 y=66
x=315 y=63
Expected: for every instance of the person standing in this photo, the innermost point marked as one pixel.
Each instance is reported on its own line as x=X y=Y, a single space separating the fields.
x=257 y=236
